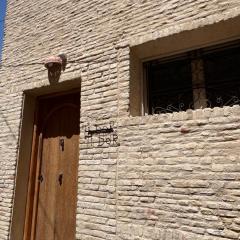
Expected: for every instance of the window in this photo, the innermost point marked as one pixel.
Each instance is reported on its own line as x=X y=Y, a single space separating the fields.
x=208 y=77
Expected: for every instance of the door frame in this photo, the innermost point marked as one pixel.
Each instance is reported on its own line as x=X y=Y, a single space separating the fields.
x=34 y=167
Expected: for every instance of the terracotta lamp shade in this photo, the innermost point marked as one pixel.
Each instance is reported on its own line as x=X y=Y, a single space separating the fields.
x=53 y=61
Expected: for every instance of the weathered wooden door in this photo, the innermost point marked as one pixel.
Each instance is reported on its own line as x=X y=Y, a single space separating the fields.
x=54 y=207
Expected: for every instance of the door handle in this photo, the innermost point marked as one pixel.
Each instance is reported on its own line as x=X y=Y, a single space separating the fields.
x=60 y=179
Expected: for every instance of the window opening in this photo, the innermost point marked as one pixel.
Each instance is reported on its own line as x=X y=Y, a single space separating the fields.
x=170 y=85
x=201 y=78
x=222 y=77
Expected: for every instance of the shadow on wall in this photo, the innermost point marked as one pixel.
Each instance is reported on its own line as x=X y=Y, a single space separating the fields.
x=7 y=124
x=54 y=74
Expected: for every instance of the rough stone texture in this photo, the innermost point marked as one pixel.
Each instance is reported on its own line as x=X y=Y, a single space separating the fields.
x=160 y=183
x=185 y=180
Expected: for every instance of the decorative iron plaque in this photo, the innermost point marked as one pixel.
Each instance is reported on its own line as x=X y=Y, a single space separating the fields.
x=101 y=136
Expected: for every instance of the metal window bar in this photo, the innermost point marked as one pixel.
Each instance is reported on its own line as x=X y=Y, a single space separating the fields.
x=214 y=80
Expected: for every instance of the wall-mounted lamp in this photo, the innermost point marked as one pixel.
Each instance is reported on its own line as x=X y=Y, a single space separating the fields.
x=55 y=65
x=53 y=62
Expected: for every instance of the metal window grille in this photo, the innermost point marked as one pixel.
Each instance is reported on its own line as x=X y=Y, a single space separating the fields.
x=202 y=78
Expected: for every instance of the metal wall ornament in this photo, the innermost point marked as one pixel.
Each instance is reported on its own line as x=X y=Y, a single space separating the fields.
x=101 y=136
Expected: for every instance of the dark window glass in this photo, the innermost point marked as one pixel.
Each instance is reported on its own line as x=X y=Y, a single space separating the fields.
x=169 y=86
x=222 y=76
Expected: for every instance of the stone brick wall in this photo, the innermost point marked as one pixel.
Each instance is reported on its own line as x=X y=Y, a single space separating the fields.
x=172 y=176
x=179 y=172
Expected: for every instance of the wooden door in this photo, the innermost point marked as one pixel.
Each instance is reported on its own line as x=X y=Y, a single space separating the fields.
x=55 y=188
